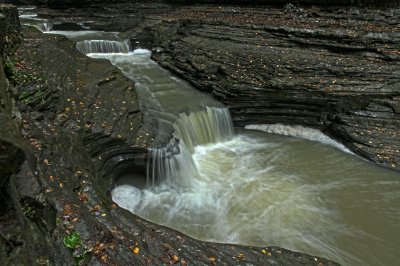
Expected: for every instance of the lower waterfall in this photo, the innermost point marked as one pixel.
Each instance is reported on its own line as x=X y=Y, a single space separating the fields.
x=174 y=162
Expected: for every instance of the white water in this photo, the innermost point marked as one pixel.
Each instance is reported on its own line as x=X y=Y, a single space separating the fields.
x=26 y=12
x=262 y=189
x=102 y=46
x=44 y=26
x=28 y=16
x=174 y=164
x=299 y=132
x=163 y=98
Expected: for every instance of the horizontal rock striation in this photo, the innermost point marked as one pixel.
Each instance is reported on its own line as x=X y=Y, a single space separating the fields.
x=333 y=69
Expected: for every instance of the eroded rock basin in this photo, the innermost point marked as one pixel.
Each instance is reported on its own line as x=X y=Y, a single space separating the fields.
x=260 y=188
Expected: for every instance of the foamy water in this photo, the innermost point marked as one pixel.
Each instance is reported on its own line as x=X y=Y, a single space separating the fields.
x=262 y=189
x=299 y=132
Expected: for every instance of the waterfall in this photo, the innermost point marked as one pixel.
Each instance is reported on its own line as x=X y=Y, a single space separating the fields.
x=212 y=125
x=44 y=26
x=174 y=163
x=103 y=46
x=165 y=100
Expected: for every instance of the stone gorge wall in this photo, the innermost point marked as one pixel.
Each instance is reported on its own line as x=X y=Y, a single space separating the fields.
x=10 y=29
x=9 y=38
x=15 y=235
x=334 y=69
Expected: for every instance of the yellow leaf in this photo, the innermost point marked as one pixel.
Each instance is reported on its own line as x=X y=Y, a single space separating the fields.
x=135 y=250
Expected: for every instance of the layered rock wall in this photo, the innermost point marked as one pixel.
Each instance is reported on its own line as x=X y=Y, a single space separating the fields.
x=333 y=69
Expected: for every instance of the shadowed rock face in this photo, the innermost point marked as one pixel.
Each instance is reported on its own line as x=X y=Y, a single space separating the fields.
x=333 y=69
x=69 y=124
x=16 y=232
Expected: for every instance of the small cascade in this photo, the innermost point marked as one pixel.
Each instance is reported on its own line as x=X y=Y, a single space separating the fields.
x=174 y=162
x=165 y=100
x=44 y=26
x=200 y=128
x=103 y=47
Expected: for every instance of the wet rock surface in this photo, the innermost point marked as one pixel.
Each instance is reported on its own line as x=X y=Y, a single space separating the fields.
x=336 y=69
x=68 y=121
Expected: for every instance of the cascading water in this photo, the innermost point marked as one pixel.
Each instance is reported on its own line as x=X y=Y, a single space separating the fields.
x=211 y=126
x=102 y=46
x=174 y=162
x=166 y=100
x=254 y=188
x=44 y=26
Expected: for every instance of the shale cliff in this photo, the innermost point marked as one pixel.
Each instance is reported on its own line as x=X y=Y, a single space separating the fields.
x=335 y=69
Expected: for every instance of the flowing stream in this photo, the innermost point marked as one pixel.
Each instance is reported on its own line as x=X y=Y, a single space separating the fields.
x=302 y=191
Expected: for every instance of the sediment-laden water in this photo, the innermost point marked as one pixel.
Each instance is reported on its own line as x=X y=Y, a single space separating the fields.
x=264 y=189
x=302 y=191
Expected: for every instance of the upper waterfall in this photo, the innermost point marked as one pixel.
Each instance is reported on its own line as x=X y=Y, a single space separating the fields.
x=103 y=46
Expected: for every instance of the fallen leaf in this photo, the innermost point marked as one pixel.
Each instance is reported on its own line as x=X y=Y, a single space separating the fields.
x=175 y=258
x=135 y=250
